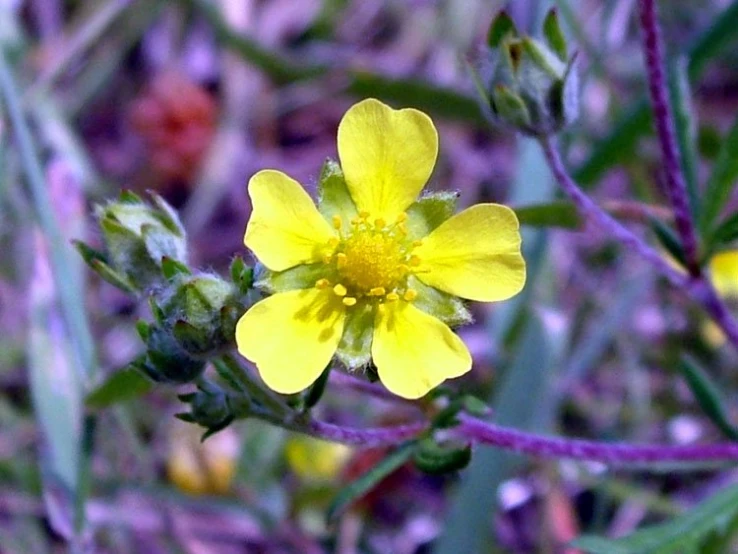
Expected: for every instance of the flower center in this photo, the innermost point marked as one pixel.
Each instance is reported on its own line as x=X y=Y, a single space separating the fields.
x=371 y=261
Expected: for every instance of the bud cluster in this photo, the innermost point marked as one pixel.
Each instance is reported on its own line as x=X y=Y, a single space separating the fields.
x=528 y=84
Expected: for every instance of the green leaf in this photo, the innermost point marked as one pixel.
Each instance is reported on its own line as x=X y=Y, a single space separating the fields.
x=722 y=33
x=686 y=531
x=725 y=233
x=553 y=35
x=722 y=180
x=668 y=239
x=708 y=396
x=553 y=214
x=685 y=125
x=439 y=459
x=358 y=488
x=502 y=26
x=122 y=385
x=170 y=268
x=510 y=107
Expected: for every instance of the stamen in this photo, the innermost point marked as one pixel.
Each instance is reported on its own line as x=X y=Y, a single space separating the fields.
x=380 y=223
x=377 y=291
x=402 y=218
x=322 y=284
x=349 y=301
x=327 y=258
x=414 y=261
x=392 y=297
x=337 y=222
x=410 y=295
x=340 y=290
x=340 y=260
x=364 y=215
x=417 y=243
x=333 y=242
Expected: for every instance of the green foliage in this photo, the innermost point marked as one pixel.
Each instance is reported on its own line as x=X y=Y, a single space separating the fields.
x=721 y=183
x=553 y=214
x=124 y=384
x=709 y=397
x=682 y=534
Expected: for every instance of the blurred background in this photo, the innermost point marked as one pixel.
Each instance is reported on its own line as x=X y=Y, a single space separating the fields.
x=189 y=98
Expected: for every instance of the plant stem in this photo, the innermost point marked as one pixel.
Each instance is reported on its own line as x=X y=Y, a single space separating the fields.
x=591 y=211
x=240 y=376
x=698 y=287
x=676 y=187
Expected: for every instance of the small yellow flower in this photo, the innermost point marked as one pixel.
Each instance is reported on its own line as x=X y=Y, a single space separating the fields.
x=724 y=277
x=372 y=273
x=315 y=460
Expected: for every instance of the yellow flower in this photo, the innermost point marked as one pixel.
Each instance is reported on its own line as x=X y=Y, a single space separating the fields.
x=372 y=274
x=315 y=460
x=724 y=276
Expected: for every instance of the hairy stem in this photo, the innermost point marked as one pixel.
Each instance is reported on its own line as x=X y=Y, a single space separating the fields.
x=676 y=187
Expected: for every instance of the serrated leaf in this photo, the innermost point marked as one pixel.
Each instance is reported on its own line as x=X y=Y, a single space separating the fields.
x=708 y=396
x=437 y=459
x=553 y=214
x=711 y=515
x=722 y=180
x=358 y=488
x=122 y=385
x=502 y=25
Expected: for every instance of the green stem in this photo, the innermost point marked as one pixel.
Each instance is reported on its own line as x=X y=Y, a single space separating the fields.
x=236 y=374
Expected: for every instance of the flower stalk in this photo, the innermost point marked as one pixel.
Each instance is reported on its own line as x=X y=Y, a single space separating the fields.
x=676 y=187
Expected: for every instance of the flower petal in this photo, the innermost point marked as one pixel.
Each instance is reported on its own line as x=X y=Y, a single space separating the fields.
x=414 y=352
x=475 y=254
x=291 y=337
x=387 y=156
x=285 y=228
x=724 y=272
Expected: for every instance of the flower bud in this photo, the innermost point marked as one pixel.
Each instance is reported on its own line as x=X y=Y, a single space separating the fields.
x=530 y=85
x=138 y=236
x=166 y=361
x=210 y=407
x=202 y=311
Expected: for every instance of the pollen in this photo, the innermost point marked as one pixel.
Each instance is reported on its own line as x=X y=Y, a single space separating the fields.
x=340 y=290
x=337 y=222
x=349 y=301
x=322 y=284
x=410 y=295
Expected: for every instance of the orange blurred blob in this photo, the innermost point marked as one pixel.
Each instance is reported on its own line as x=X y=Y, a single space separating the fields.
x=176 y=119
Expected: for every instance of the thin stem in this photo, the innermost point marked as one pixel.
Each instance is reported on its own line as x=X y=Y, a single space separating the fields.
x=539 y=446
x=576 y=449
x=591 y=211
x=698 y=287
x=676 y=187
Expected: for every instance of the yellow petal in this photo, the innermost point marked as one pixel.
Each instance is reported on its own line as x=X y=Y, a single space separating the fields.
x=285 y=228
x=386 y=155
x=291 y=337
x=415 y=352
x=724 y=272
x=475 y=254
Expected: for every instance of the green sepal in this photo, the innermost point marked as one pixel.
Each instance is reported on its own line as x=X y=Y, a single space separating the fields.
x=553 y=34
x=191 y=339
x=128 y=254
x=167 y=361
x=543 y=58
x=510 y=107
x=502 y=27
x=449 y=309
x=428 y=212
x=159 y=315
x=437 y=459
x=229 y=316
x=143 y=329
x=129 y=197
x=168 y=216
x=160 y=244
x=316 y=390
x=355 y=348
x=112 y=276
x=334 y=197
x=216 y=429
x=89 y=254
x=170 y=268
x=242 y=274
x=298 y=277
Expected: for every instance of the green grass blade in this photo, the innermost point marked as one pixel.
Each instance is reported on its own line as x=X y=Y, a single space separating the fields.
x=722 y=180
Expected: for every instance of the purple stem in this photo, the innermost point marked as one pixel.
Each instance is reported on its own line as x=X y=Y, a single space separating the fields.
x=605 y=221
x=540 y=446
x=675 y=185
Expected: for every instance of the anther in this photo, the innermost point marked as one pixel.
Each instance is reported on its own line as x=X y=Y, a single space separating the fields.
x=349 y=301
x=392 y=297
x=337 y=222
x=402 y=218
x=417 y=243
x=333 y=242
x=327 y=258
x=414 y=261
x=380 y=223
x=410 y=295
x=340 y=259
x=377 y=291
x=340 y=290
x=364 y=215
x=322 y=284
